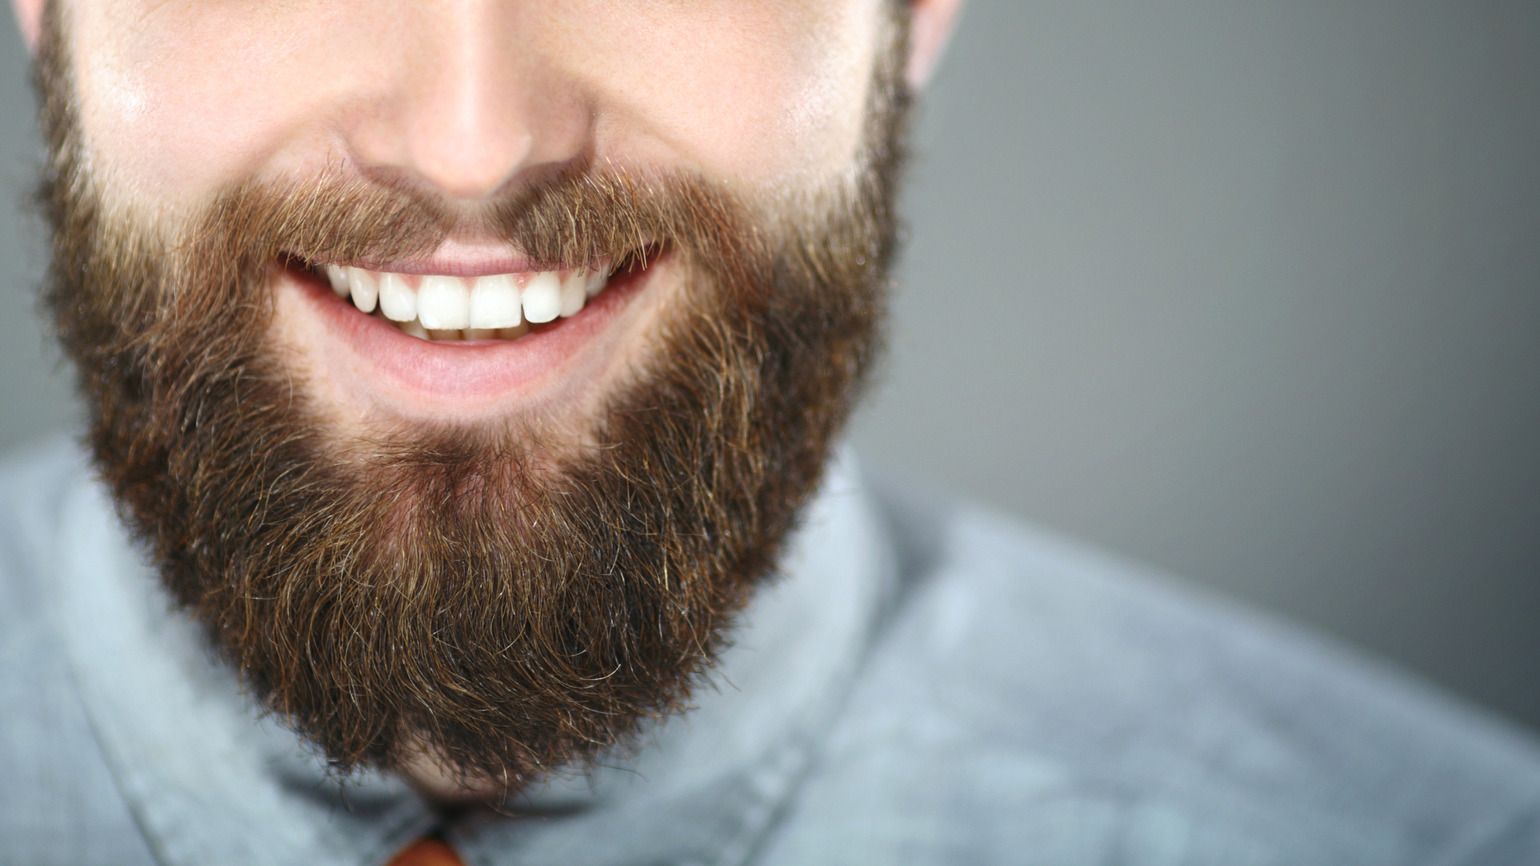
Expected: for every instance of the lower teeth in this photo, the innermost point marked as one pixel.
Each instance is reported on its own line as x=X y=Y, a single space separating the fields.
x=414 y=328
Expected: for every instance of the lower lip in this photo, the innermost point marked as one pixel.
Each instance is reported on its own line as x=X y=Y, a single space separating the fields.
x=472 y=371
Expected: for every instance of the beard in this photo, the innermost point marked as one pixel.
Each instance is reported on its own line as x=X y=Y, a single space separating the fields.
x=505 y=598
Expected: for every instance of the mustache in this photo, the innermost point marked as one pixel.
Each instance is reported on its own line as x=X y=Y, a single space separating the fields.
x=578 y=217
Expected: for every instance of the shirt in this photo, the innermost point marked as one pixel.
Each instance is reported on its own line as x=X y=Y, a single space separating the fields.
x=922 y=682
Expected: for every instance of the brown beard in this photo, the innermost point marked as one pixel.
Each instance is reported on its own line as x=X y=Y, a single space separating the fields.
x=453 y=589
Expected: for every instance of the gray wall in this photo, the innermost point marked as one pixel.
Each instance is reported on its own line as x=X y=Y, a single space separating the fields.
x=1248 y=291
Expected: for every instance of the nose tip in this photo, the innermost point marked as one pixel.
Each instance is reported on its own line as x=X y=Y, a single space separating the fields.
x=462 y=114
x=470 y=155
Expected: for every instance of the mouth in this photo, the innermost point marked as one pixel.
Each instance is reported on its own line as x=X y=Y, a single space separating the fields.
x=497 y=305
x=461 y=335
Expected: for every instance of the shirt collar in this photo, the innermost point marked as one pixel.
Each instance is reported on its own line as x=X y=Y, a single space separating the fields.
x=211 y=780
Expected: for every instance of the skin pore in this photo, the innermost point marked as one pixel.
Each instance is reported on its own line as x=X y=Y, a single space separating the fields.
x=533 y=591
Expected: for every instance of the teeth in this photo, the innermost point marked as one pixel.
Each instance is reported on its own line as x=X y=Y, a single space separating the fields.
x=494 y=302
x=437 y=307
x=574 y=293
x=338 y=277
x=542 y=298
x=365 y=289
x=397 y=301
x=443 y=303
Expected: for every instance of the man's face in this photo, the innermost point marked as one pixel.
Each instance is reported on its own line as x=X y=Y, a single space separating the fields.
x=607 y=277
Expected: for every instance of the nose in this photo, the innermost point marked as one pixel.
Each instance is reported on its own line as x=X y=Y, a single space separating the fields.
x=466 y=104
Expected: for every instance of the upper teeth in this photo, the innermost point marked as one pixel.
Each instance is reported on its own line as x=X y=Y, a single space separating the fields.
x=455 y=304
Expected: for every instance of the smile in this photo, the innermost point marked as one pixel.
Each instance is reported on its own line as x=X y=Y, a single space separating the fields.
x=464 y=338
x=444 y=307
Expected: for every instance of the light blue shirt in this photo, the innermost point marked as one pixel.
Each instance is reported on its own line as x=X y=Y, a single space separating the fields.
x=923 y=683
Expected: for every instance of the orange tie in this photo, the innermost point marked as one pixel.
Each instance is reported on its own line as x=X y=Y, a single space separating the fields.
x=427 y=852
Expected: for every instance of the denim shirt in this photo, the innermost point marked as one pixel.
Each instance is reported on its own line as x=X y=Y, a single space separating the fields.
x=920 y=683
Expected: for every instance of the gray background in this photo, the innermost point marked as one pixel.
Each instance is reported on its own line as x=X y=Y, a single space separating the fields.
x=1247 y=291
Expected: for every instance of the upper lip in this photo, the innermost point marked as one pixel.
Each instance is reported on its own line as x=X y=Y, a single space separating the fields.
x=455 y=259
x=467 y=260
x=451 y=265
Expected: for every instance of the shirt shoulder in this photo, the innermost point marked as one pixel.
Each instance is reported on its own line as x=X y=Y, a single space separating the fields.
x=33 y=486
x=60 y=802
x=1029 y=700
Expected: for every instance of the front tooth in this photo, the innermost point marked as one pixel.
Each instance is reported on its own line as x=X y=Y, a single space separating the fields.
x=364 y=288
x=397 y=301
x=413 y=328
x=542 y=298
x=494 y=302
x=443 y=303
x=573 y=293
x=338 y=277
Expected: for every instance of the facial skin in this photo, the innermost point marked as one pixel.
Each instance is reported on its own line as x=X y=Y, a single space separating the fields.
x=504 y=555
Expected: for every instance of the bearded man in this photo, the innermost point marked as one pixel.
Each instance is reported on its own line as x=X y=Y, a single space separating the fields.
x=464 y=379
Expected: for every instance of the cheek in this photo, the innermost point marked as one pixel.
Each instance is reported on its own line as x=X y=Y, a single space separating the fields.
x=181 y=99
x=766 y=94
